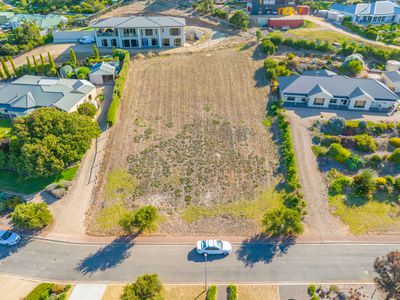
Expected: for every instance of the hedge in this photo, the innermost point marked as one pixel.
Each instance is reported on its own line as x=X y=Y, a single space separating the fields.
x=118 y=90
x=49 y=291
x=38 y=292
x=212 y=293
x=232 y=292
x=338 y=153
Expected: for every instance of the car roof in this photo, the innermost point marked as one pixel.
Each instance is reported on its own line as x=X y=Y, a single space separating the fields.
x=212 y=243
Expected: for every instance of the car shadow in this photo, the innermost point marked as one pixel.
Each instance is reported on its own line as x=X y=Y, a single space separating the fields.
x=6 y=251
x=198 y=258
x=262 y=249
x=107 y=257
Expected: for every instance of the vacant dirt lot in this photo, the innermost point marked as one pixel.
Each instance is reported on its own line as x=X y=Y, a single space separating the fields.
x=190 y=134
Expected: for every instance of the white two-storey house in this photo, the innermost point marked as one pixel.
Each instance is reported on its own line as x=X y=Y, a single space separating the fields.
x=140 y=32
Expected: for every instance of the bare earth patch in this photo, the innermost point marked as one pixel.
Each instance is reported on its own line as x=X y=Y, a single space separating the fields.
x=190 y=134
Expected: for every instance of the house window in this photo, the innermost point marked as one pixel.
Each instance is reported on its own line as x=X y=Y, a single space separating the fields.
x=319 y=101
x=344 y=102
x=177 y=42
x=145 y=42
x=114 y=42
x=104 y=43
x=360 y=104
x=134 y=43
x=291 y=98
x=303 y=99
x=129 y=31
x=126 y=43
x=333 y=101
x=165 y=42
x=154 y=42
x=269 y=2
x=148 y=31
x=174 y=31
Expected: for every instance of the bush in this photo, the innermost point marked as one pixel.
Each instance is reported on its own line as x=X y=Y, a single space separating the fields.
x=319 y=151
x=395 y=156
x=365 y=143
x=87 y=109
x=142 y=219
x=8 y=205
x=31 y=216
x=82 y=73
x=219 y=13
x=49 y=291
x=232 y=292
x=374 y=161
x=395 y=142
x=364 y=184
x=397 y=184
x=354 y=162
x=277 y=40
x=330 y=139
x=311 y=289
x=267 y=46
x=339 y=184
x=334 y=126
x=295 y=201
x=291 y=56
x=338 y=153
x=212 y=293
x=283 y=222
x=240 y=19
x=146 y=287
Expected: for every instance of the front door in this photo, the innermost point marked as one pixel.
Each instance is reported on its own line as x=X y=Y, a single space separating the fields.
x=145 y=42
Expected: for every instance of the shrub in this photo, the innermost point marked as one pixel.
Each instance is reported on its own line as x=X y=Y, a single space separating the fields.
x=212 y=293
x=232 y=292
x=87 y=109
x=240 y=19
x=338 y=153
x=364 y=183
x=295 y=201
x=82 y=73
x=277 y=40
x=395 y=156
x=374 y=161
x=330 y=139
x=146 y=287
x=31 y=216
x=311 y=289
x=291 y=56
x=339 y=184
x=9 y=204
x=314 y=297
x=365 y=143
x=395 y=142
x=354 y=162
x=334 y=126
x=319 y=151
x=267 y=46
x=283 y=222
x=142 y=219
x=397 y=184
x=390 y=180
x=42 y=291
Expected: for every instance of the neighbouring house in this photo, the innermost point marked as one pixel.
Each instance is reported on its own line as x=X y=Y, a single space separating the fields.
x=338 y=92
x=28 y=93
x=45 y=22
x=140 y=32
x=370 y=13
x=322 y=72
x=392 y=80
x=5 y=16
x=270 y=7
x=102 y=73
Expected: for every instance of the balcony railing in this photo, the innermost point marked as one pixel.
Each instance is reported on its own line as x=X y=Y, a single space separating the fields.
x=107 y=34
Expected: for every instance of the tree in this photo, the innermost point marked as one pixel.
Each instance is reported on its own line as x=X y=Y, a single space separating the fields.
x=388 y=269
x=96 y=55
x=13 y=65
x=49 y=140
x=364 y=183
x=146 y=287
x=27 y=36
x=240 y=19
x=87 y=109
x=142 y=219
x=6 y=69
x=9 y=50
x=354 y=67
x=267 y=46
x=205 y=6
x=72 y=59
x=35 y=65
x=51 y=61
x=259 y=35
x=2 y=76
x=31 y=216
x=28 y=62
x=82 y=72
x=283 y=222
x=42 y=59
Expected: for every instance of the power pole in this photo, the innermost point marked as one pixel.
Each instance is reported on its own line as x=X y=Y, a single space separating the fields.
x=205 y=272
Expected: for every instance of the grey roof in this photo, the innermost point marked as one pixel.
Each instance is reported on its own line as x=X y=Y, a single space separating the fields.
x=373 y=8
x=140 y=22
x=103 y=69
x=337 y=86
x=322 y=72
x=318 y=89
x=394 y=76
x=358 y=92
x=30 y=92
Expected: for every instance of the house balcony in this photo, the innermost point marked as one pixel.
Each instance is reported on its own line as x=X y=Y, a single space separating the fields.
x=106 y=34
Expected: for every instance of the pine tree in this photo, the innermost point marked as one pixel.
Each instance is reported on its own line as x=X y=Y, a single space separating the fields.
x=13 y=66
x=1 y=74
x=6 y=69
x=51 y=61
x=28 y=62
x=35 y=65
x=42 y=59
x=72 y=60
x=96 y=53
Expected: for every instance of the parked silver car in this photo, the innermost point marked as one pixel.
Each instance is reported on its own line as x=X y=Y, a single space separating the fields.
x=213 y=247
x=9 y=238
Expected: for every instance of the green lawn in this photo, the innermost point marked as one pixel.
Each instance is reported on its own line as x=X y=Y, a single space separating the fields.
x=5 y=126
x=367 y=217
x=9 y=181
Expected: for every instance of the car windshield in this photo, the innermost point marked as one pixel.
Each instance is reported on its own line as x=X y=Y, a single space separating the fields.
x=219 y=244
x=6 y=235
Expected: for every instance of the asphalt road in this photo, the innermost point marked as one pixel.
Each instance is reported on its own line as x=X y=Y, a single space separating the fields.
x=248 y=263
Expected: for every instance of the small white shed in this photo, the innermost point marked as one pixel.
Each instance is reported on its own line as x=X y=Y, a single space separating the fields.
x=102 y=73
x=392 y=80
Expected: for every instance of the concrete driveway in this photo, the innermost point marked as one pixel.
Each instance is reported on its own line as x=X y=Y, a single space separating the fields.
x=88 y=292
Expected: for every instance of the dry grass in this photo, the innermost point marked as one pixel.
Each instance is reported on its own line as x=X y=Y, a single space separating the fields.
x=113 y=292
x=190 y=133
x=12 y=288
x=184 y=292
x=256 y=292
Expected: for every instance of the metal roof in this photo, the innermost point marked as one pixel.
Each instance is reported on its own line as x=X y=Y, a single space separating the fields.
x=394 y=76
x=337 y=86
x=322 y=72
x=373 y=8
x=140 y=22
x=103 y=68
x=30 y=92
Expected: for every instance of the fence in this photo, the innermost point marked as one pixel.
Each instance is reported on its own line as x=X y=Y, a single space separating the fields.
x=70 y=36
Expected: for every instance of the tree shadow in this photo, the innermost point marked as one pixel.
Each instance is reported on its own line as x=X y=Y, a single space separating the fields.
x=258 y=53
x=260 y=78
x=198 y=258
x=6 y=251
x=263 y=249
x=107 y=257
